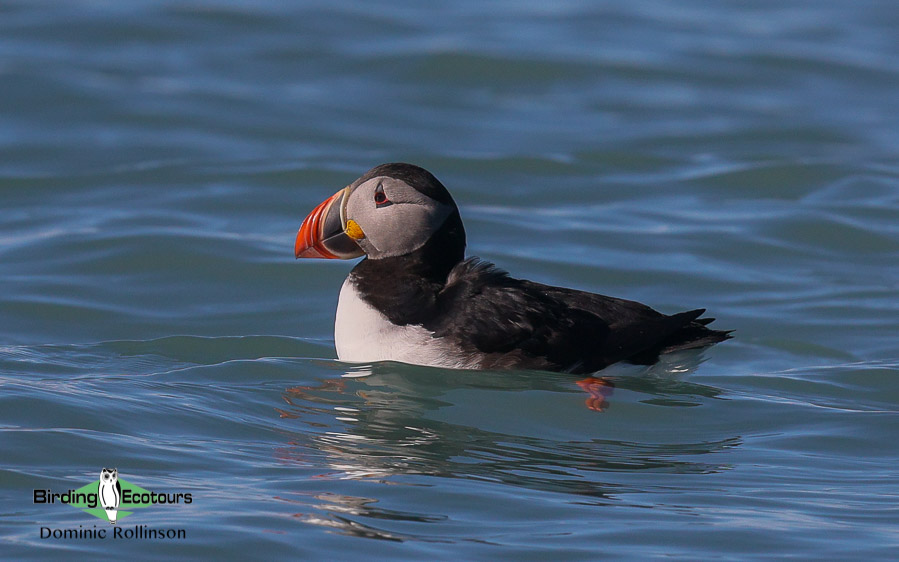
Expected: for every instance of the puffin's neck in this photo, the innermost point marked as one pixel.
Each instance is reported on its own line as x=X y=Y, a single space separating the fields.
x=404 y=288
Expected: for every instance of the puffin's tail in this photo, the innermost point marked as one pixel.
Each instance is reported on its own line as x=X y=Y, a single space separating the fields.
x=694 y=334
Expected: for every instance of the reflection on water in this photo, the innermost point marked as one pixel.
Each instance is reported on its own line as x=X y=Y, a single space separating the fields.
x=599 y=390
x=334 y=510
x=387 y=422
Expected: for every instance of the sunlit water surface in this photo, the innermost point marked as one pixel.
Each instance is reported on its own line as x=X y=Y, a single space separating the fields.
x=157 y=158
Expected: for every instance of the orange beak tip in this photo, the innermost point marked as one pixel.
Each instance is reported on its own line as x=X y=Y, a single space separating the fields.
x=309 y=238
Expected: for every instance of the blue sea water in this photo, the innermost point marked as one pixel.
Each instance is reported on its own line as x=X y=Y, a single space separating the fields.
x=157 y=158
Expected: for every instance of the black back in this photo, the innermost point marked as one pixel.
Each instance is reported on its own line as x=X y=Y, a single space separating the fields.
x=512 y=323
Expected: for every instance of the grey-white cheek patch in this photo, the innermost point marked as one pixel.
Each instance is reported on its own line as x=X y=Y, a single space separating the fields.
x=396 y=229
x=405 y=227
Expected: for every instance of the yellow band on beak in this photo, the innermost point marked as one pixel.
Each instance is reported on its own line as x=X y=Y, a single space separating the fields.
x=353 y=230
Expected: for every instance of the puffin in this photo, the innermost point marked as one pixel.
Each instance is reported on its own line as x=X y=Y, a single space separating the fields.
x=415 y=298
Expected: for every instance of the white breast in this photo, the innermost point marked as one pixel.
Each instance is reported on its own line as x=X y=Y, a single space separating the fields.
x=362 y=334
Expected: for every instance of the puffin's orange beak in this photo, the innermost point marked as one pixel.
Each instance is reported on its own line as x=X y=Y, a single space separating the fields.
x=322 y=234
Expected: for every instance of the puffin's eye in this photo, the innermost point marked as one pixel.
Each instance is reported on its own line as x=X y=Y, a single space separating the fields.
x=381 y=197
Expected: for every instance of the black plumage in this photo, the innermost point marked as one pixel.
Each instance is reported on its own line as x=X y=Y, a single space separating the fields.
x=512 y=323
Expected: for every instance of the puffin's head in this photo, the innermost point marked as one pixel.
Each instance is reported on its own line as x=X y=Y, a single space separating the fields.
x=392 y=210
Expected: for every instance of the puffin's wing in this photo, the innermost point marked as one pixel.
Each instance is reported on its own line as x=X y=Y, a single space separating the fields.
x=487 y=312
x=520 y=324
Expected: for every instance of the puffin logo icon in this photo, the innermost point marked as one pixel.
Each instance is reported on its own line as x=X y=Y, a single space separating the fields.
x=109 y=491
